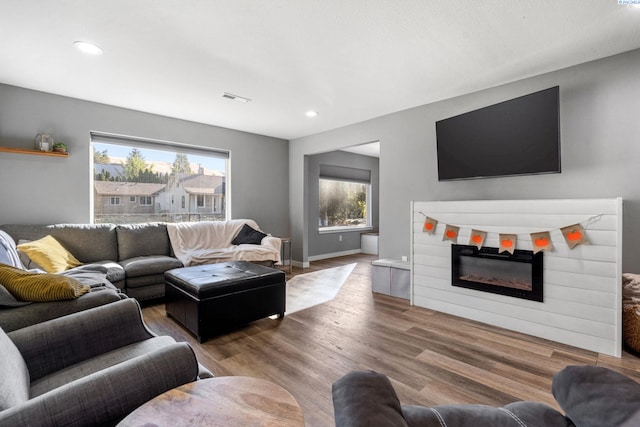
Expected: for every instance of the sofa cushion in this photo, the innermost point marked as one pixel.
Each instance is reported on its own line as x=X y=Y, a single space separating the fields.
x=12 y=319
x=147 y=265
x=249 y=236
x=98 y=363
x=135 y=240
x=147 y=292
x=593 y=396
x=114 y=271
x=14 y=375
x=40 y=287
x=88 y=242
x=49 y=254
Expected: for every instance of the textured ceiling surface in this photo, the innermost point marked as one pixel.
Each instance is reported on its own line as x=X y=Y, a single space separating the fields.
x=349 y=60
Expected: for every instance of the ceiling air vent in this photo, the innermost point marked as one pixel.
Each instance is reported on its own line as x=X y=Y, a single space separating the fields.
x=235 y=97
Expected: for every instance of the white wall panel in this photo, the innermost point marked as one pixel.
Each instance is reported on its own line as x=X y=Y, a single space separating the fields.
x=582 y=286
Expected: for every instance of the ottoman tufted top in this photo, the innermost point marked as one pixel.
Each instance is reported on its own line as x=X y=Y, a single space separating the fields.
x=210 y=280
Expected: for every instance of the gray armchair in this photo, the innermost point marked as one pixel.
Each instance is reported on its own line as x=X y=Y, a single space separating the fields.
x=88 y=368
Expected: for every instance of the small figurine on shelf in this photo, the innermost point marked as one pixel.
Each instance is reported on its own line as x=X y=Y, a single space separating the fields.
x=44 y=142
x=60 y=147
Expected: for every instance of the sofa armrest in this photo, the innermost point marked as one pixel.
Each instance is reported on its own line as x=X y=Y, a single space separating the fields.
x=273 y=242
x=595 y=395
x=366 y=398
x=53 y=345
x=512 y=415
x=22 y=317
x=107 y=396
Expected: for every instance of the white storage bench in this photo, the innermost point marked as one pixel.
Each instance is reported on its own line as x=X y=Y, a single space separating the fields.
x=391 y=277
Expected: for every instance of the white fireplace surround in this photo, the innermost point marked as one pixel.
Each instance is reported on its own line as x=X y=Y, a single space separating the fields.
x=582 y=303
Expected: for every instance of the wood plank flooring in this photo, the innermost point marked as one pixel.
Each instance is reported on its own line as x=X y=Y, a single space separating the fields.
x=431 y=358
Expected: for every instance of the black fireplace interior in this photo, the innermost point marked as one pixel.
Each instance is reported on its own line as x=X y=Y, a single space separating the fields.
x=518 y=275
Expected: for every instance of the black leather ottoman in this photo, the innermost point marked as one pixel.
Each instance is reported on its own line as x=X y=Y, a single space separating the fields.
x=214 y=298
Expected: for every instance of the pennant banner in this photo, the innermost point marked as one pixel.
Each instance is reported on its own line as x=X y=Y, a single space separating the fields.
x=574 y=235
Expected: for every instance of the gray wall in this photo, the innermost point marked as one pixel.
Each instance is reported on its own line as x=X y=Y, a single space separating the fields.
x=322 y=244
x=600 y=131
x=38 y=189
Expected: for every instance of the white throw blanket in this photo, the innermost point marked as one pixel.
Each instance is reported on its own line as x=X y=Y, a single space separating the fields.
x=209 y=242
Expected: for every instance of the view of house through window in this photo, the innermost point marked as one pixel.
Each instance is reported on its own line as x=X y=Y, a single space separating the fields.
x=343 y=204
x=136 y=183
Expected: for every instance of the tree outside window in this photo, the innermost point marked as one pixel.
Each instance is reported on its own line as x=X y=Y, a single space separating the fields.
x=343 y=204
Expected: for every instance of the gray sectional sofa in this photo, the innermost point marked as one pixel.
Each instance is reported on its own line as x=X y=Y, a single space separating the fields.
x=135 y=256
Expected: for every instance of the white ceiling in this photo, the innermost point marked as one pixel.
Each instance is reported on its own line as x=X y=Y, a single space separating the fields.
x=351 y=60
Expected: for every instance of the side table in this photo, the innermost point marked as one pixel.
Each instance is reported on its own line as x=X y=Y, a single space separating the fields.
x=220 y=401
x=286 y=249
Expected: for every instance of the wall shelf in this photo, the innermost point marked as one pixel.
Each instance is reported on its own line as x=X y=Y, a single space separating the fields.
x=32 y=152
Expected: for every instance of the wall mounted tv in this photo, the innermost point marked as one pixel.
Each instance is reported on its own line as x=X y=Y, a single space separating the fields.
x=516 y=137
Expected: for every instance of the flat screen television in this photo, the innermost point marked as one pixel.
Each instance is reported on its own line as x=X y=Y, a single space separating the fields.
x=516 y=137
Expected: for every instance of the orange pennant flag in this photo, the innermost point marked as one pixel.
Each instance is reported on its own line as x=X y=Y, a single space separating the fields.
x=477 y=238
x=430 y=225
x=451 y=233
x=541 y=242
x=507 y=243
x=574 y=235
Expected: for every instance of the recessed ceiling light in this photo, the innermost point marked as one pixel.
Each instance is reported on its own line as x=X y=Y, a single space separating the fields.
x=87 y=47
x=312 y=113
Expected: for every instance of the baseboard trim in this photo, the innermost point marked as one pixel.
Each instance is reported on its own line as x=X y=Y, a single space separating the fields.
x=300 y=264
x=335 y=254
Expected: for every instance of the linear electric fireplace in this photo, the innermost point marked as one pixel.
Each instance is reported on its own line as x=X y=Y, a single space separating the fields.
x=518 y=275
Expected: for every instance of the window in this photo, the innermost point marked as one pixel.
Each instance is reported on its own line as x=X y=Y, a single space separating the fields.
x=345 y=195
x=155 y=173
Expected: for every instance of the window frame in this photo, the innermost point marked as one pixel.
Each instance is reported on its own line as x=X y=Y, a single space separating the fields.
x=368 y=226
x=224 y=213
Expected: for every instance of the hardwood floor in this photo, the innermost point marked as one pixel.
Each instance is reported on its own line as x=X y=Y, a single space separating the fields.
x=431 y=358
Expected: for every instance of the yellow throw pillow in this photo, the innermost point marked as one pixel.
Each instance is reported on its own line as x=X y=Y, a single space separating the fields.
x=49 y=254
x=40 y=287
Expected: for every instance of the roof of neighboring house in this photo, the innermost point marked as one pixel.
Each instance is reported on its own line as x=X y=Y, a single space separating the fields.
x=114 y=169
x=111 y=188
x=201 y=184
